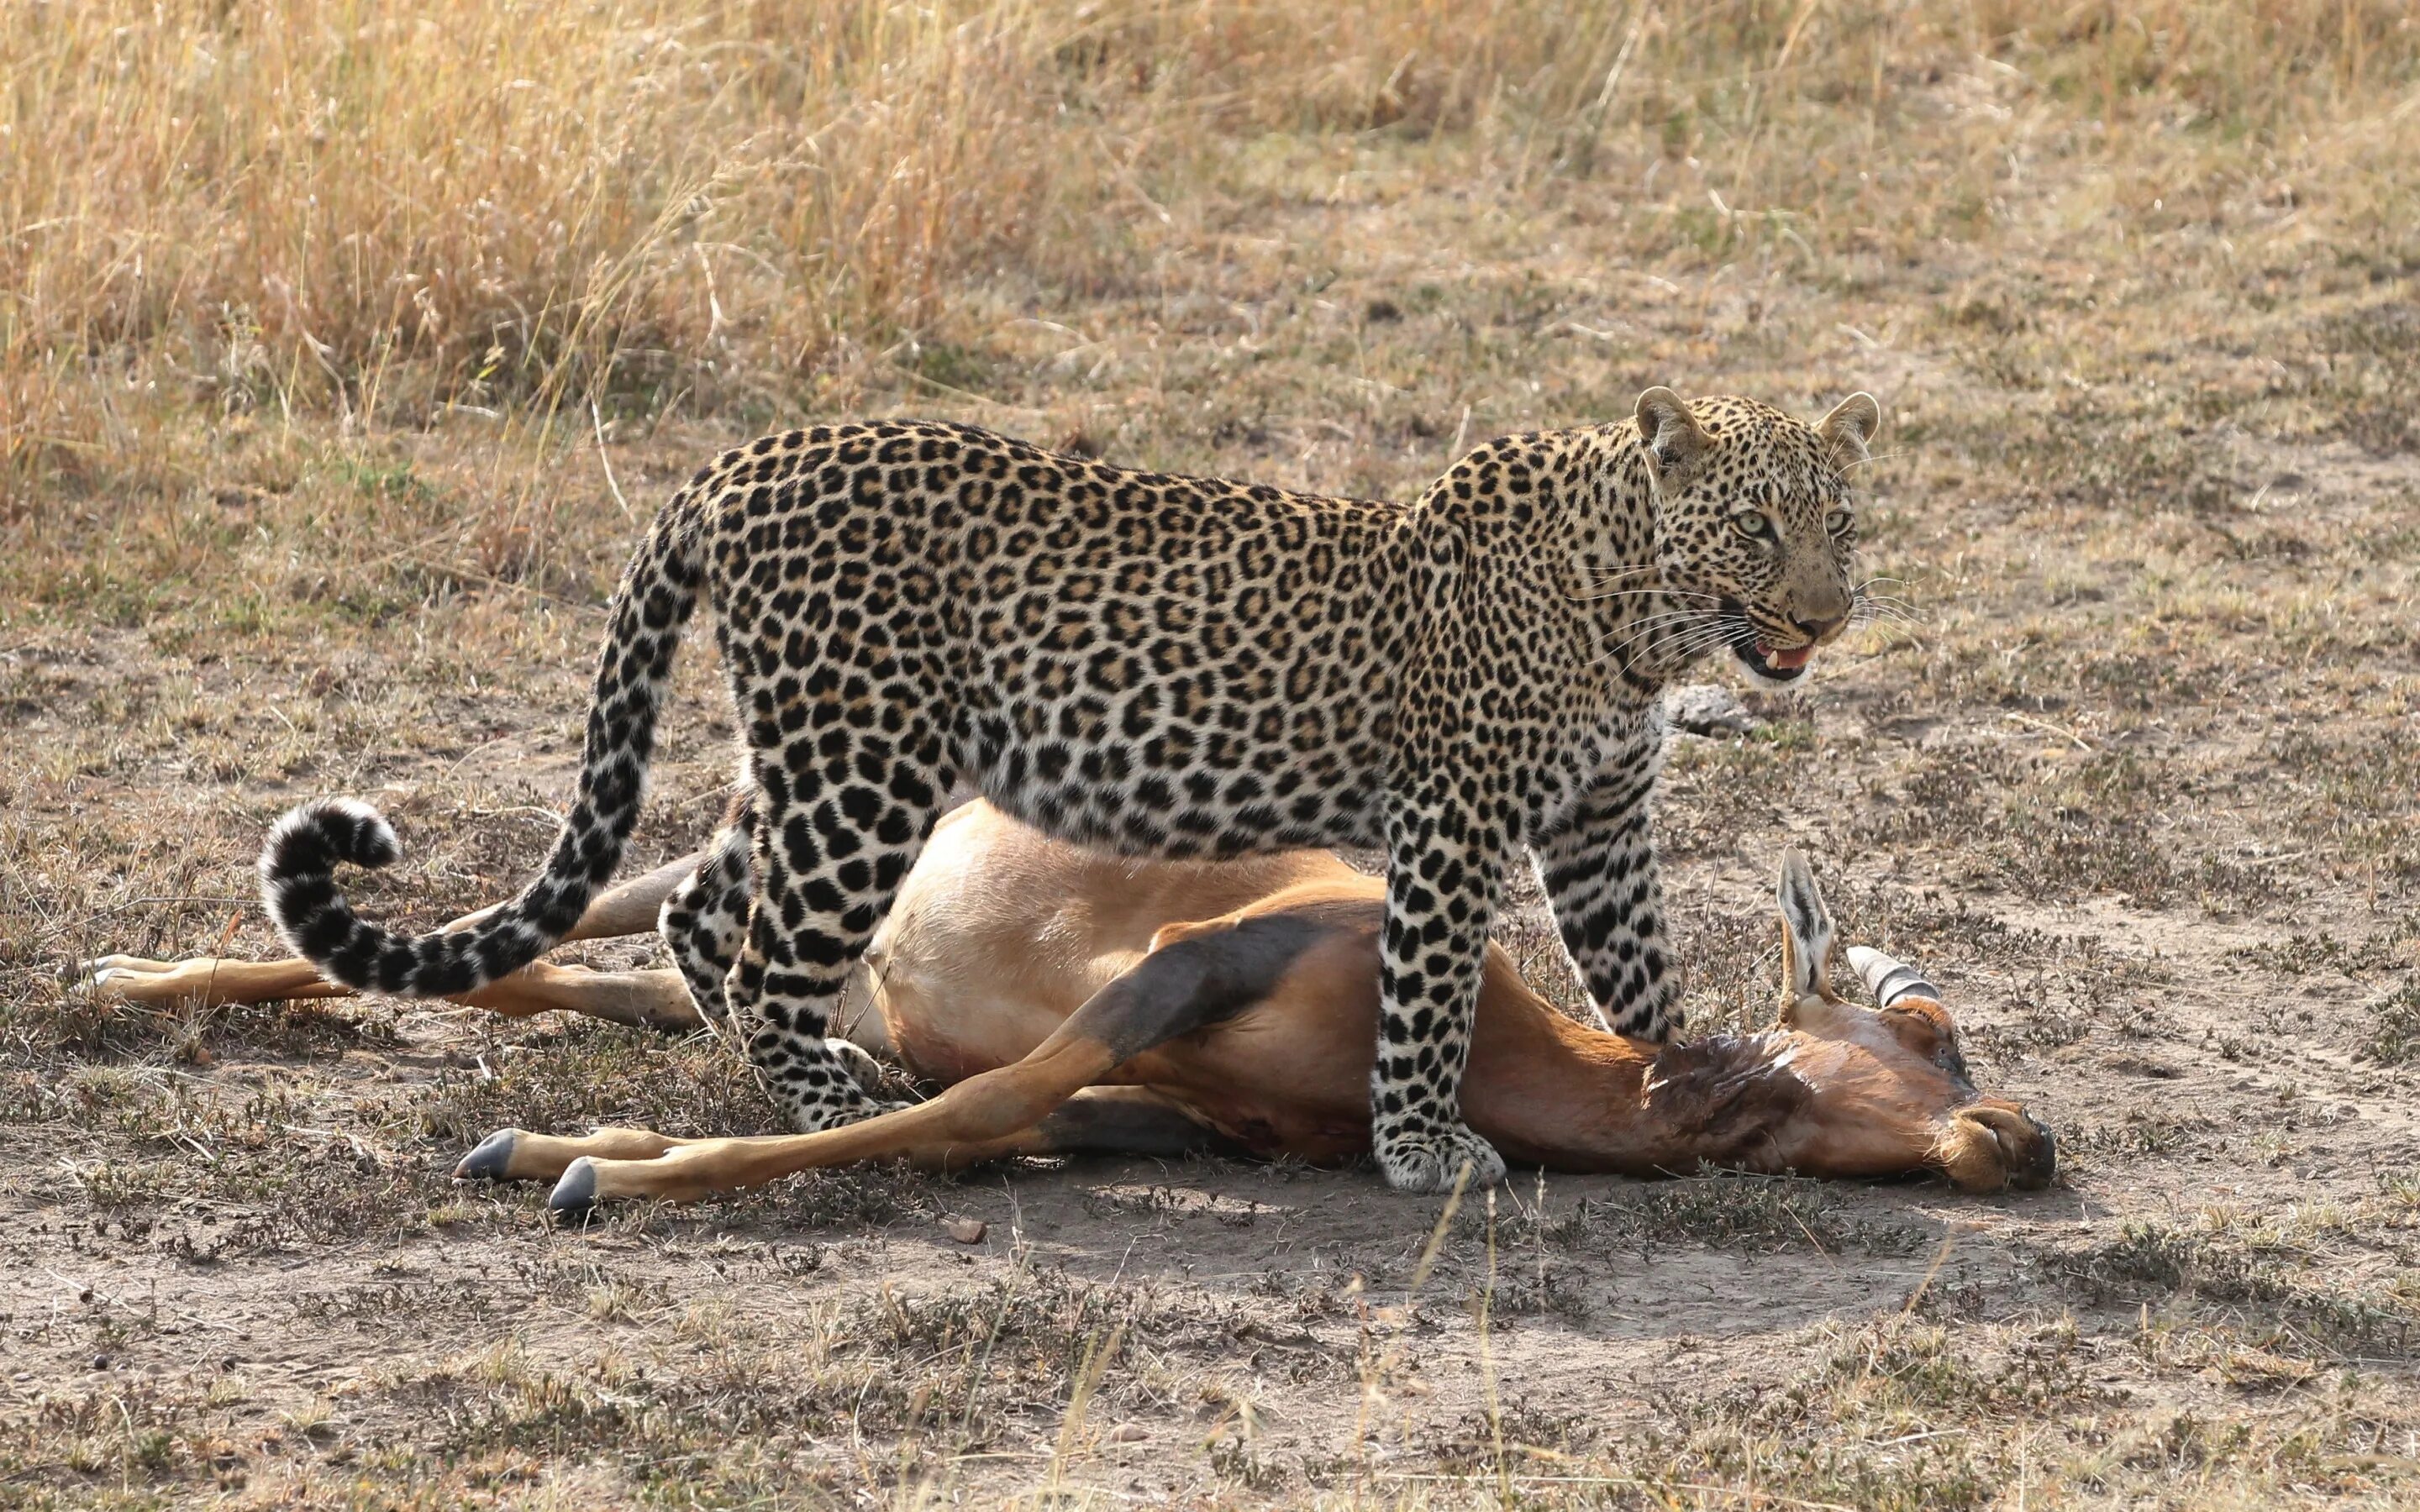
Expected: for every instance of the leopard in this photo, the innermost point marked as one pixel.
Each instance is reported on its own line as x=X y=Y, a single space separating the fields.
x=1167 y=665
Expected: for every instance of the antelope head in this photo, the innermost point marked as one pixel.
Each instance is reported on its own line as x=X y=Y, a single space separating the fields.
x=1889 y=1080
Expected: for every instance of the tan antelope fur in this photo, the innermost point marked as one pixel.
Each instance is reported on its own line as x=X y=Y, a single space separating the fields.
x=1070 y=1000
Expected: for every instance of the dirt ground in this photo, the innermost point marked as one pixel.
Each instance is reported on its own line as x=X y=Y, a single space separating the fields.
x=2136 y=779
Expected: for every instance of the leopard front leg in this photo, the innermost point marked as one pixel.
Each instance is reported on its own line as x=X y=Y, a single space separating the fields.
x=827 y=860
x=1598 y=871
x=705 y=925
x=1441 y=880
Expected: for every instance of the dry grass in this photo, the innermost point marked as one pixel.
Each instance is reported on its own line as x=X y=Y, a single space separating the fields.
x=322 y=324
x=333 y=208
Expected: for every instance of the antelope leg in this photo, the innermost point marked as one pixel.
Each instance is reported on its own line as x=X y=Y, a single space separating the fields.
x=982 y=1117
x=644 y=999
x=517 y=1155
x=1133 y=1121
x=625 y=908
x=654 y=999
x=1187 y=985
x=207 y=981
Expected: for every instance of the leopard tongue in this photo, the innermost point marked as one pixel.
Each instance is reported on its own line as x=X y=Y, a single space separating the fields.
x=1795 y=656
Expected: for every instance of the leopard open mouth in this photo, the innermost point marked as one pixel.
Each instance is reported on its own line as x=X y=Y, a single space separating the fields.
x=1774 y=664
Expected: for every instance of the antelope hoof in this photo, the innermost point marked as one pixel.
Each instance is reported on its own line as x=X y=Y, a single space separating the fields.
x=491 y=1160
x=575 y=1194
x=121 y=977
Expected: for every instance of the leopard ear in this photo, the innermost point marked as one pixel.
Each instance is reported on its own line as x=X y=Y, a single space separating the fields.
x=1675 y=441
x=1850 y=427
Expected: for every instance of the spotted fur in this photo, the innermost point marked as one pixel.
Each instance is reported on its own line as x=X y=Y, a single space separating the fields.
x=1173 y=666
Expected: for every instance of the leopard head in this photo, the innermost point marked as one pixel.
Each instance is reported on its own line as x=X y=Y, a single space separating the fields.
x=1755 y=525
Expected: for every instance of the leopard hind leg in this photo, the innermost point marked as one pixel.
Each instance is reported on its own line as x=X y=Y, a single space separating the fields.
x=705 y=920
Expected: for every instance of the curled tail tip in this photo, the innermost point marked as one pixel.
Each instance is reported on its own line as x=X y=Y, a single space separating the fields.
x=298 y=867
x=316 y=836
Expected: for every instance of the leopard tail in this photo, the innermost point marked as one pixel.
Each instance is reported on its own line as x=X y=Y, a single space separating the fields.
x=657 y=594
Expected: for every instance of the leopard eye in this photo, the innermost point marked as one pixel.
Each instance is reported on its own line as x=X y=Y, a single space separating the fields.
x=1838 y=522
x=1752 y=524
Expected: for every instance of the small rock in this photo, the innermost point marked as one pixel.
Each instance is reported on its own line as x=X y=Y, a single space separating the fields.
x=1126 y=1433
x=1707 y=709
x=101 y=1362
x=965 y=1230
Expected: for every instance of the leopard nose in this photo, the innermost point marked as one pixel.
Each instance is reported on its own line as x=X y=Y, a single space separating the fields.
x=1820 y=630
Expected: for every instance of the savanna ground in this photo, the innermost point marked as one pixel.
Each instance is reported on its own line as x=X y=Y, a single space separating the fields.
x=331 y=341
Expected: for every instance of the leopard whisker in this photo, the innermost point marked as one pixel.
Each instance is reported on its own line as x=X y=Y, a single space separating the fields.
x=1681 y=652
x=1660 y=626
x=1704 y=641
x=1689 y=641
x=1618 y=574
x=1867 y=617
x=1664 y=617
x=1644 y=593
x=1883 y=604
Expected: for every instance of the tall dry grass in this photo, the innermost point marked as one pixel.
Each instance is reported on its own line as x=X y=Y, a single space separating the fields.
x=339 y=208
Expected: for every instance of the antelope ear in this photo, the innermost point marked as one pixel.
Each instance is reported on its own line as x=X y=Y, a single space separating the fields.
x=1850 y=427
x=1807 y=930
x=1675 y=441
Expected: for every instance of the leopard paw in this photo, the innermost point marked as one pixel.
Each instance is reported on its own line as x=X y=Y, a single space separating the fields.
x=840 y=1098
x=860 y=1063
x=1431 y=1158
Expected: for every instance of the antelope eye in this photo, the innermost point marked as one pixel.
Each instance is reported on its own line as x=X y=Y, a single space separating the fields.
x=1838 y=522
x=1752 y=524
